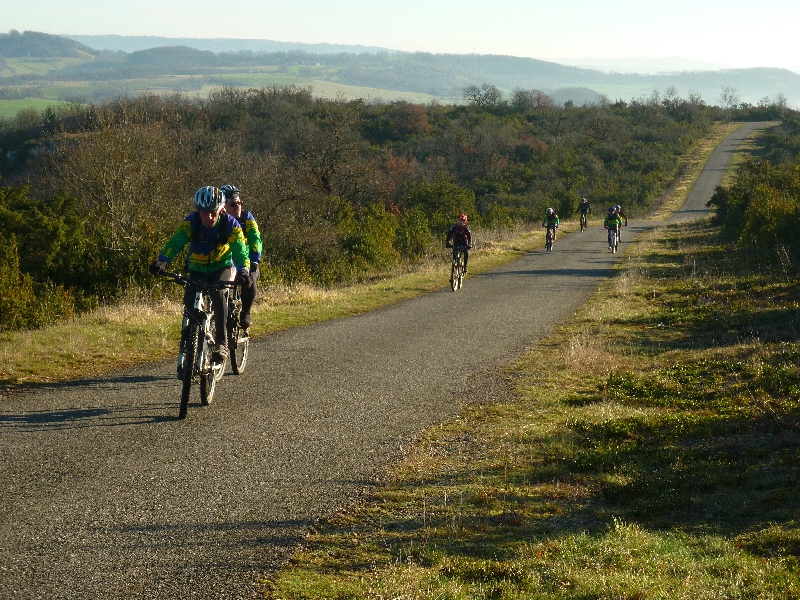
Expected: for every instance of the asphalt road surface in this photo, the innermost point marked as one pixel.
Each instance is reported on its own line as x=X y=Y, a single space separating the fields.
x=105 y=494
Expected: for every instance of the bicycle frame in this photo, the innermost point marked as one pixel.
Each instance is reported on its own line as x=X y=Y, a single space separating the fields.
x=613 y=238
x=549 y=237
x=457 y=269
x=197 y=338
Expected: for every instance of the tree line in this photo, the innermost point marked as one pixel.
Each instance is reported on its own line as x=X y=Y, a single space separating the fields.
x=343 y=190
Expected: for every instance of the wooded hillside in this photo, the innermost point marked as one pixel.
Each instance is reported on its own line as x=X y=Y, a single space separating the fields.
x=342 y=190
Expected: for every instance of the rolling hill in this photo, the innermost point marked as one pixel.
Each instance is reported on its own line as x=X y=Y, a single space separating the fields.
x=69 y=67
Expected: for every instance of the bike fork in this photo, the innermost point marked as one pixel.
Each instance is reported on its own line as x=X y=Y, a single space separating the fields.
x=184 y=342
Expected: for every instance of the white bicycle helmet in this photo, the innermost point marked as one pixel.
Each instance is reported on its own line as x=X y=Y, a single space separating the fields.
x=550 y=211
x=208 y=198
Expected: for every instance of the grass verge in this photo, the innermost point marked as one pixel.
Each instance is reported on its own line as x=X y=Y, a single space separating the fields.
x=651 y=452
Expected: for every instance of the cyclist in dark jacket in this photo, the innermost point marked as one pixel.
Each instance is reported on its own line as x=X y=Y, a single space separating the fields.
x=252 y=236
x=460 y=235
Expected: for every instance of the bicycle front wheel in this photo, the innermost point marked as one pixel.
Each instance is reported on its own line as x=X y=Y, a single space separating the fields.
x=238 y=344
x=188 y=368
x=454 y=275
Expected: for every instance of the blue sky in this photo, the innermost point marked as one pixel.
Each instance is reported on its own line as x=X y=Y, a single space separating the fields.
x=734 y=33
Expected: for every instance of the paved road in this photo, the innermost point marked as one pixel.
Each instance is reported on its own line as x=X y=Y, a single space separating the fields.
x=104 y=494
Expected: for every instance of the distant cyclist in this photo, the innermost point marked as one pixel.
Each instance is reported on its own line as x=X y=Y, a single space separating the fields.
x=612 y=222
x=618 y=209
x=252 y=236
x=551 y=220
x=460 y=236
x=584 y=209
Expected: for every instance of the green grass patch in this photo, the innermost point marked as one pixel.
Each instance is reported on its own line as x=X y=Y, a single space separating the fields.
x=41 y=66
x=10 y=108
x=651 y=452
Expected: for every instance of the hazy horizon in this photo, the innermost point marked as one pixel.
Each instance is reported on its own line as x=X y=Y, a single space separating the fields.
x=730 y=33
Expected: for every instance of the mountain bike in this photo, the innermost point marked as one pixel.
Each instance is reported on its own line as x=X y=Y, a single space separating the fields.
x=197 y=343
x=238 y=336
x=583 y=221
x=457 y=269
x=551 y=234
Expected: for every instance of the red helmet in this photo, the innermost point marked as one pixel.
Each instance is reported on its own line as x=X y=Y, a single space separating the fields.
x=462 y=217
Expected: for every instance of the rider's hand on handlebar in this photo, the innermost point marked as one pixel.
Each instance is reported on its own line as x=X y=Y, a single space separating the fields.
x=157 y=267
x=243 y=278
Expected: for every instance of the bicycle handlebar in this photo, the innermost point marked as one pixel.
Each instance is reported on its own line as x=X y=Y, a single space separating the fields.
x=178 y=278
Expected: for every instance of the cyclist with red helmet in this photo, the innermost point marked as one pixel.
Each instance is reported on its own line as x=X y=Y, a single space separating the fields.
x=459 y=235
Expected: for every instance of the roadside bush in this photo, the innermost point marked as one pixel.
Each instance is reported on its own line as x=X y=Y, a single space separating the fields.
x=761 y=209
x=26 y=304
x=441 y=200
x=414 y=239
x=369 y=240
x=16 y=290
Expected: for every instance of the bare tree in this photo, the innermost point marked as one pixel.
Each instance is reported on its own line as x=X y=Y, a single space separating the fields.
x=695 y=98
x=729 y=97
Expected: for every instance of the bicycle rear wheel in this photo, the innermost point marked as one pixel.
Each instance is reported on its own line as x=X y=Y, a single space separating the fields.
x=208 y=383
x=238 y=344
x=188 y=369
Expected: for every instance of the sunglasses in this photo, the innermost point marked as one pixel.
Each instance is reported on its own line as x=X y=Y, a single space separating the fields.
x=237 y=201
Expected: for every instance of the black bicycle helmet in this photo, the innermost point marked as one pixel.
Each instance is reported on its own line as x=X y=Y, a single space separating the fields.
x=229 y=191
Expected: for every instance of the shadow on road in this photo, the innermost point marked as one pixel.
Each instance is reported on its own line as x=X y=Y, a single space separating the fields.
x=587 y=272
x=79 y=418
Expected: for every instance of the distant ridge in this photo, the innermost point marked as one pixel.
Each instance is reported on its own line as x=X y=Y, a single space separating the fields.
x=105 y=69
x=40 y=45
x=128 y=43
